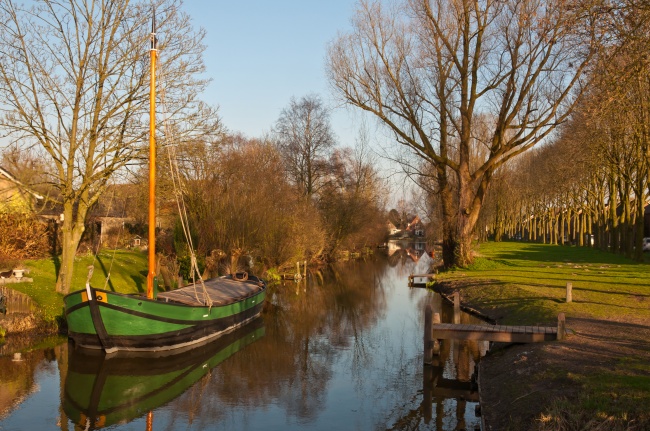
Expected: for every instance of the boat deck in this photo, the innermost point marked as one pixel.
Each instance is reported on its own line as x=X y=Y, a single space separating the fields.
x=221 y=291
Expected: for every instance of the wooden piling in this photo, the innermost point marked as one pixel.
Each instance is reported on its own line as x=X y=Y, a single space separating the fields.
x=436 y=342
x=304 y=271
x=561 y=327
x=428 y=339
x=297 y=276
x=456 y=307
x=427 y=394
x=569 y=292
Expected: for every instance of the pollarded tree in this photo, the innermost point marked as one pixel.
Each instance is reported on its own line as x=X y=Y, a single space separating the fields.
x=74 y=82
x=429 y=69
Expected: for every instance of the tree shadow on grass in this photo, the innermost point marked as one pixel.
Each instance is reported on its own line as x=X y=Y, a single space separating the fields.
x=105 y=271
x=139 y=284
x=57 y=264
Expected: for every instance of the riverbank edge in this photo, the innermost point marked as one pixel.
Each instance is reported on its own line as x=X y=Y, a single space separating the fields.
x=26 y=324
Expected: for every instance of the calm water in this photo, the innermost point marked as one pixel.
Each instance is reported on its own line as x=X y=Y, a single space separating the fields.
x=342 y=351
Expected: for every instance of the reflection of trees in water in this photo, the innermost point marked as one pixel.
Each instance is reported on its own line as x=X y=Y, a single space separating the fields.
x=307 y=326
x=17 y=377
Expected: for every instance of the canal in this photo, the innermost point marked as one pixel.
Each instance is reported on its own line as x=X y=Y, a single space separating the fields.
x=341 y=350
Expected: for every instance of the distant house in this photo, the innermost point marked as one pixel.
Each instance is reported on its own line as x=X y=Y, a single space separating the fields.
x=392 y=230
x=415 y=227
x=16 y=196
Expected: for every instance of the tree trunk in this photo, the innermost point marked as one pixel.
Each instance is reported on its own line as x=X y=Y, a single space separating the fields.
x=638 y=227
x=72 y=231
x=448 y=224
x=468 y=213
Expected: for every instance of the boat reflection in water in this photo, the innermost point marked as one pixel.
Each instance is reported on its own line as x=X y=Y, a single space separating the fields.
x=102 y=391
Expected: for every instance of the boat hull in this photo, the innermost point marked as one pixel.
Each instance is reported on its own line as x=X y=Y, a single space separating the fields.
x=117 y=322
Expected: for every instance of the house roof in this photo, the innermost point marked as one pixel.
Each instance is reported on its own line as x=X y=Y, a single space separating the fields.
x=22 y=186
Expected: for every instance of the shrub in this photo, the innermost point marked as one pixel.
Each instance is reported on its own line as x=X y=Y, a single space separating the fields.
x=22 y=237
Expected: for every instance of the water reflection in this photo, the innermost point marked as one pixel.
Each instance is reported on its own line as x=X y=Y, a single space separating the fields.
x=99 y=391
x=341 y=350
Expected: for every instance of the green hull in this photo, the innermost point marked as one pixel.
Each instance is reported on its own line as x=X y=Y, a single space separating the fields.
x=101 y=392
x=121 y=323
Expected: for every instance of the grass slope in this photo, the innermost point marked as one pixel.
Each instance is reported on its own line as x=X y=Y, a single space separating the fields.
x=527 y=283
x=127 y=269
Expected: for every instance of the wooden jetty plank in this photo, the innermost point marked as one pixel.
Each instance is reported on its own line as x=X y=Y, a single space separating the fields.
x=499 y=333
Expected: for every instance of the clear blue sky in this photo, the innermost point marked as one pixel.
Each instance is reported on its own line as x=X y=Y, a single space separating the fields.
x=260 y=53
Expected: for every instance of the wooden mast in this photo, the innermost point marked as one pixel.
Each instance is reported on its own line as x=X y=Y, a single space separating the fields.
x=152 y=162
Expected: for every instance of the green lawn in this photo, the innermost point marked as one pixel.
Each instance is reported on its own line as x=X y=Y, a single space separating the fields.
x=127 y=269
x=527 y=282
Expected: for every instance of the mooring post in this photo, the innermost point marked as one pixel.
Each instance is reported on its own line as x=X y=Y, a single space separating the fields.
x=427 y=394
x=561 y=327
x=456 y=307
x=297 y=276
x=436 y=342
x=428 y=342
x=569 y=292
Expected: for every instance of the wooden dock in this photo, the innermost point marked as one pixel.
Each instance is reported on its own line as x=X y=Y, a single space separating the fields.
x=434 y=331
x=499 y=333
x=420 y=279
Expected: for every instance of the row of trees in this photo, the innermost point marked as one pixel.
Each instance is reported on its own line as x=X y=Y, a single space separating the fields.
x=594 y=178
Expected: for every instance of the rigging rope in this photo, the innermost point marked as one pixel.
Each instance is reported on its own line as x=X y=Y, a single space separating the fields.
x=99 y=244
x=178 y=194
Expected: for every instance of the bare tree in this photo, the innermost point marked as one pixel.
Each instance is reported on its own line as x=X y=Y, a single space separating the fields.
x=428 y=69
x=305 y=139
x=74 y=81
x=350 y=203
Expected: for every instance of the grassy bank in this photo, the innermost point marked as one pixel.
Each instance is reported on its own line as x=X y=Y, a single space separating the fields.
x=526 y=283
x=599 y=378
x=127 y=271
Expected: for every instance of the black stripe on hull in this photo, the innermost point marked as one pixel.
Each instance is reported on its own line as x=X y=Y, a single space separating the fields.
x=199 y=332
x=152 y=316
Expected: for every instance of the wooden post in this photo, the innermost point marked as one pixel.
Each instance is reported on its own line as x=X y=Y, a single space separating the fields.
x=297 y=276
x=561 y=327
x=304 y=274
x=569 y=292
x=428 y=342
x=427 y=394
x=436 y=342
x=456 y=307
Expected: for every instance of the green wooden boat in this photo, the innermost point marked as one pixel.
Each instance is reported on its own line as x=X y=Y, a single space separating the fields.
x=100 y=392
x=194 y=314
